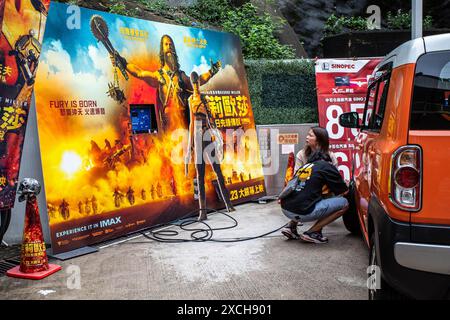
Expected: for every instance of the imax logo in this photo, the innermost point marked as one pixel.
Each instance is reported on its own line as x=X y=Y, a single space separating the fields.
x=110 y=222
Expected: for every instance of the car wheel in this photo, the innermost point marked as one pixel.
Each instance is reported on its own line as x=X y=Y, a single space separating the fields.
x=384 y=291
x=350 y=218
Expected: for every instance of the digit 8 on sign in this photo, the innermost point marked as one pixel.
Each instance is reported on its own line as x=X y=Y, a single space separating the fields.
x=335 y=130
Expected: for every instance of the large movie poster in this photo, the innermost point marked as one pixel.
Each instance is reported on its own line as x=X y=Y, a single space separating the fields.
x=22 y=24
x=342 y=87
x=121 y=105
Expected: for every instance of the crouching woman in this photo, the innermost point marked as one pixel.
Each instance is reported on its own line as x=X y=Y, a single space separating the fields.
x=306 y=203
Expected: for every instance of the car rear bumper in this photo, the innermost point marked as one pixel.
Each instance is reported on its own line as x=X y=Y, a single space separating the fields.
x=423 y=257
x=407 y=274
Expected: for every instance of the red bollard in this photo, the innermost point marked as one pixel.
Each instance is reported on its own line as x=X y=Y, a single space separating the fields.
x=33 y=261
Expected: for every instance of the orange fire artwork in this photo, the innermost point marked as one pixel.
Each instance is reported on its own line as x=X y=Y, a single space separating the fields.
x=92 y=164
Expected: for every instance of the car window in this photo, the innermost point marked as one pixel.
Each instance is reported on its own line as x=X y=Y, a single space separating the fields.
x=370 y=105
x=430 y=108
x=378 y=115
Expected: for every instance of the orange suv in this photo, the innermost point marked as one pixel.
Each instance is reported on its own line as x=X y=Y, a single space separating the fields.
x=400 y=186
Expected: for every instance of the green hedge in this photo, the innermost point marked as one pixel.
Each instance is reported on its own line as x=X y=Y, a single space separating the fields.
x=282 y=91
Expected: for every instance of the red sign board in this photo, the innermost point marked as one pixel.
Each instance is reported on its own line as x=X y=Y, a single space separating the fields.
x=342 y=87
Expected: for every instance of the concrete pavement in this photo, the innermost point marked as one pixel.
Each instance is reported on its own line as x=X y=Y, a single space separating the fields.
x=265 y=268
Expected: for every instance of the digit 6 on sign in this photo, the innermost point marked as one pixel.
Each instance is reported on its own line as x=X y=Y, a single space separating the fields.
x=343 y=168
x=333 y=122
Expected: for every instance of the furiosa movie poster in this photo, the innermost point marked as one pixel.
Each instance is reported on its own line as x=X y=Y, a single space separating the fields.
x=22 y=25
x=120 y=104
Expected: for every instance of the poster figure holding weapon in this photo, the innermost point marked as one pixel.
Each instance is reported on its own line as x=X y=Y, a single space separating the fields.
x=172 y=84
x=200 y=126
x=20 y=49
x=100 y=31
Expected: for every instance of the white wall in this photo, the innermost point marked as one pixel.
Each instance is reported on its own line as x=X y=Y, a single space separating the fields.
x=274 y=181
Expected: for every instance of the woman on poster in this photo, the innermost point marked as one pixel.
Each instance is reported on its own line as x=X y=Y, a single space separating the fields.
x=200 y=125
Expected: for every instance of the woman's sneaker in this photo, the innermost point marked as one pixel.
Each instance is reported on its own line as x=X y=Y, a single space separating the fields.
x=322 y=236
x=290 y=233
x=313 y=237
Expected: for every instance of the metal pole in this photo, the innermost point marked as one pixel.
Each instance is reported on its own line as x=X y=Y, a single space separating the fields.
x=416 y=19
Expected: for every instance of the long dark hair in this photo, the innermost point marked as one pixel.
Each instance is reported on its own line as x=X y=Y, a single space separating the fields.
x=323 y=141
x=161 y=51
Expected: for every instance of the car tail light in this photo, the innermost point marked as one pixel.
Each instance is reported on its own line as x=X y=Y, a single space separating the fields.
x=406 y=178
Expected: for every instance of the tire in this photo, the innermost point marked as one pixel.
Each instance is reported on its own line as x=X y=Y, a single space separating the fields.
x=350 y=218
x=385 y=292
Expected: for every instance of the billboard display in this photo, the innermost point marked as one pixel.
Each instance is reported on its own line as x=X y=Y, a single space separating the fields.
x=121 y=103
x=22 y=25
x=342 y=87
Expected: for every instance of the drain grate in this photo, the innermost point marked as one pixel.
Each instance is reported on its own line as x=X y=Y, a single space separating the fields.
x=9 y=258
x=5 y=265
x=15 y=260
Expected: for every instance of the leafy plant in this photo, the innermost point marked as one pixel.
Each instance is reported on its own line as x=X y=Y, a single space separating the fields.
x=256 y=33
x=118 y=8
x=402 y=20
x=211 y=11
x=159 y=7
x=185 y=21
x=282 y=91
x=335 y=25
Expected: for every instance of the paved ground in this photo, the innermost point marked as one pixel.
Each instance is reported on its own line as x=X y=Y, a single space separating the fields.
x=265 y=268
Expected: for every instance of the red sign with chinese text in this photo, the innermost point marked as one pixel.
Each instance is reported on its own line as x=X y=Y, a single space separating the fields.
x=342 y=87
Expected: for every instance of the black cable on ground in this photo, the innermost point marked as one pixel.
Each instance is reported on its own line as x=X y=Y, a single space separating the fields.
x=198 y=234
